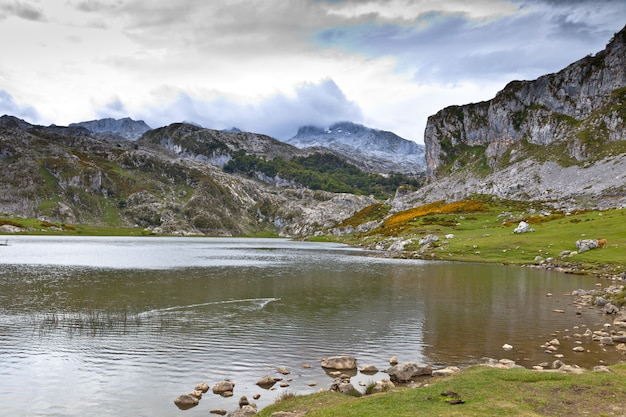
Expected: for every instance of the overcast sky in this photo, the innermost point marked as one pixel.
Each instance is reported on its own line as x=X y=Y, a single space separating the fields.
x=270 y=66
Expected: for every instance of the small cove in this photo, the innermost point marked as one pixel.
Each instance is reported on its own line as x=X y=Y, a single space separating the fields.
x=118 y=326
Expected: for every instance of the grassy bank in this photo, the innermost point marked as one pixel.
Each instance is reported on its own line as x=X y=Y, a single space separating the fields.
x=484 y=392
x=483 y=232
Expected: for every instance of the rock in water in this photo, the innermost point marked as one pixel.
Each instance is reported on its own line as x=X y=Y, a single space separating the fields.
x=185 y=402
x=339 y=363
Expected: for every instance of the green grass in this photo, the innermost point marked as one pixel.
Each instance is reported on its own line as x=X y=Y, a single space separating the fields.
x=485 y=392
x=38 y=227
x=487 y=236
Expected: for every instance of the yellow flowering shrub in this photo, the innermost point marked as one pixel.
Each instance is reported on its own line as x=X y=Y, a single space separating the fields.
x=402 y=218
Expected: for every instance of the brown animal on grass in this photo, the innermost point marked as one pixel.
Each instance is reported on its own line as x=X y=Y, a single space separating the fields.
x=602 y=243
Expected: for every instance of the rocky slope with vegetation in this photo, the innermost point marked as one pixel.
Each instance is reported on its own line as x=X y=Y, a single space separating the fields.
x=170 y=181
x=559 y=137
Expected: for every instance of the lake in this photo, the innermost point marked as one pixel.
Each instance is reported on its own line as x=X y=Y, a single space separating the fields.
x=111 y=326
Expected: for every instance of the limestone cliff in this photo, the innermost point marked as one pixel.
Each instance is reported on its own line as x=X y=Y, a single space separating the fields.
x=578 y=111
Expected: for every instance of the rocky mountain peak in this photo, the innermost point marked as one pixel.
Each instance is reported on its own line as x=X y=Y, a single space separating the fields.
x=384 y=151
x=126 y=127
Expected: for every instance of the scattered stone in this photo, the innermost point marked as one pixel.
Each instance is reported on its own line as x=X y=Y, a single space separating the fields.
x=243 y=401
x=342 y=385
x=289 y=414
x=256 y=396
x=382 y=385
x=600 y=302
x=267 y=382
x=245 y=411
x=393 y=361
x=427 y=240
x=584 y=245
x=197 y=394
x=186 y=401
x=283 y=371
x=204 y=387
x=506 y=346
x=606 y=340
x=578 y=349
x=557 y=364
x=556 y=310
x=219 y=411
x=369 y=369
x=339 y=363
x=523 y=227
x=602 y=368
x=450 y=370
x=306 y=365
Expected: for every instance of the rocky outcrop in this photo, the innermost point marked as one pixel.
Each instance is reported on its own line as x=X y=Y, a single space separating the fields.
x=372 y=149
x=581 y=107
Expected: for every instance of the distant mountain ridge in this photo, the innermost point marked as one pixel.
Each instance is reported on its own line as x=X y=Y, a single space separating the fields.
x=126 y=127
x=377 y=148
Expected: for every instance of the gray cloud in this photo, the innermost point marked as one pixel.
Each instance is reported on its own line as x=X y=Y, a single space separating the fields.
x=9 y=106
x=278 y=116
x=440 y=47
x=22 y=10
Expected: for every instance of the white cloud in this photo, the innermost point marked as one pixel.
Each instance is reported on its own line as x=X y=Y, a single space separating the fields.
x=278 y=115
x=257 y=64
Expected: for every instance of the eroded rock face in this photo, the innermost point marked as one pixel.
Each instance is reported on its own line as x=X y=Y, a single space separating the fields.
x=542 y=111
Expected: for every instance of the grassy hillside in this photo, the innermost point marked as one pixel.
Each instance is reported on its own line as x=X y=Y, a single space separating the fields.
x=483 y=232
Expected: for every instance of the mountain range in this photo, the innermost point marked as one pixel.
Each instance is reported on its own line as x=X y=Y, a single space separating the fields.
x=559 y=139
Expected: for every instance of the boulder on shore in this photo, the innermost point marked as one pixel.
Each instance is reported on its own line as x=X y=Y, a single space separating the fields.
x=405 y=372
x=339 y=363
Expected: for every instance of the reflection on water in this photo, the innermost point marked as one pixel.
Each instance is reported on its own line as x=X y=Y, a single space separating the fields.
x=119 y=326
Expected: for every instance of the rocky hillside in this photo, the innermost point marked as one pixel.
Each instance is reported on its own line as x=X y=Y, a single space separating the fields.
x=559 y=137
x=125 y=128
x=160 y=182
x=379 y=150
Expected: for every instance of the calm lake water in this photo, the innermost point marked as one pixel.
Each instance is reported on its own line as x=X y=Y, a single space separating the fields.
x=122 y=326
